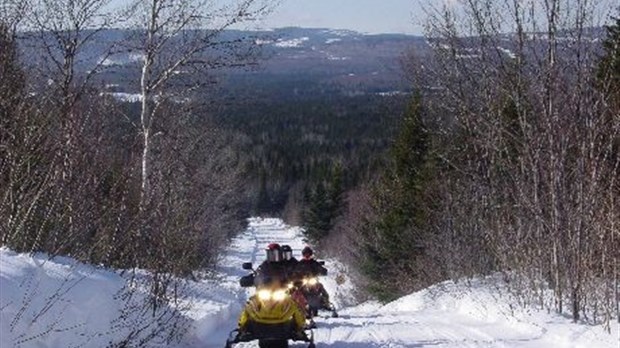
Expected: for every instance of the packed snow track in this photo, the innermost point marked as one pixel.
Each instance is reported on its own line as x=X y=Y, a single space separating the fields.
x=448 y=315
x=59 y=302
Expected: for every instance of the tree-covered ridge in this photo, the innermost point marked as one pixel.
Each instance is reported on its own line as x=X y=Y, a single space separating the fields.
x=301 y=141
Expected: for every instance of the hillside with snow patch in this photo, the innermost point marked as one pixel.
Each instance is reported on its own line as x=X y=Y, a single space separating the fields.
x=62 y=303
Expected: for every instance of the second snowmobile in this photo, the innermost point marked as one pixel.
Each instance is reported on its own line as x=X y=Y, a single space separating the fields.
x=316 y=297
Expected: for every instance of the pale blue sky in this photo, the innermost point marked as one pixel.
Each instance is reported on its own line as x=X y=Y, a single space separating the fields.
x=367 y=16
x=389 y=16
x=371 y=16
x=375 y=16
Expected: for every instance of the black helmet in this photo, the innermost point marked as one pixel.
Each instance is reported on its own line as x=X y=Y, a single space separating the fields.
x=287 y=252
x=274 y=252
x=307 y=252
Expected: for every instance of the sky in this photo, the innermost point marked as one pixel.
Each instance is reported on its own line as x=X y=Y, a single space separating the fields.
x=383 y=16
x=369 y=16
x=366 y=16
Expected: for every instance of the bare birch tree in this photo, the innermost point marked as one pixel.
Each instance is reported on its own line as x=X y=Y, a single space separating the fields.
x=179 y=39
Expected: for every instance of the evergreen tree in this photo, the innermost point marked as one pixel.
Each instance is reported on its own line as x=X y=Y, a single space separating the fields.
x=609 y=66
x=263 y=201
x=325 y=205
x=394 y=239
x=609 y=75
x=11 y=76
x=317 y=216
x=335 y=192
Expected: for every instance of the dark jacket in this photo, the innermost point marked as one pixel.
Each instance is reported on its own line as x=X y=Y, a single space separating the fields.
x=291 y=268
x=271 y=271
x=310 y=268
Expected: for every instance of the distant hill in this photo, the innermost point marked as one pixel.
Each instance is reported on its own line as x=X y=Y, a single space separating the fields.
x=336 y=59
x=292 y=60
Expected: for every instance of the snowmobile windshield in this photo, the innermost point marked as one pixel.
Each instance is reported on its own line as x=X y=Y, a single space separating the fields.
x=274 y=255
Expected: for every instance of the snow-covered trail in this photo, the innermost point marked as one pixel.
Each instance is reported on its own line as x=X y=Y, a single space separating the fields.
x=448 y=315
x=59 y=302
x=213 y=329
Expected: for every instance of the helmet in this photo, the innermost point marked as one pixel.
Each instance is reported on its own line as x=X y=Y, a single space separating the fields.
x=307 y=252
x=274 y=252
x=273 y=246
x=287 y=252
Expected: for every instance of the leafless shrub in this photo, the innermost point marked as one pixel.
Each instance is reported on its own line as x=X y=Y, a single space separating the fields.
x=344 y=240
x=526 y=143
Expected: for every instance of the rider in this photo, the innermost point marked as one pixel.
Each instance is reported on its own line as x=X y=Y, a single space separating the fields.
x=309 y=267
x=279 y=311
x=295 y=281
x=289 y=261
x=273 y=266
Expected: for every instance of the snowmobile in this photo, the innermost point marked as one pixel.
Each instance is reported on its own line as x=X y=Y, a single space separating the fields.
x=270 y=316
x=316 y=298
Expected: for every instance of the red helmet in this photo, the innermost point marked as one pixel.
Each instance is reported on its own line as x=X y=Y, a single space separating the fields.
x=273 y=246
x=307 y=252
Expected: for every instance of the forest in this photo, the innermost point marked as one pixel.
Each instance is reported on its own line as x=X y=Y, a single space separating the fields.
x=507 y=162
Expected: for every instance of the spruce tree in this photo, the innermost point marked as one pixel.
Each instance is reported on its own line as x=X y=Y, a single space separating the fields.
x=325 y=205
x=609 y=66
x=608 y=75
x=395 y=238
x=263 y=200
x=317 y=217
x=11 y=76
x=335 y=193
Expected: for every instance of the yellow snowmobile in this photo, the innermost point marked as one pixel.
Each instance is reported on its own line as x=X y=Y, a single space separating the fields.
x=270 y=316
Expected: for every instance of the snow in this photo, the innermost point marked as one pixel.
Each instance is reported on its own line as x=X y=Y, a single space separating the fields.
x=85 y=306
x=508 y=52
x=122 y=59
x=125 y=97
x=391 y=93
x=340 y=32
x=263 y=42
x=64 y=303
x=330 y=41
x=330 y=57
x=334 y=57
x=292 y=43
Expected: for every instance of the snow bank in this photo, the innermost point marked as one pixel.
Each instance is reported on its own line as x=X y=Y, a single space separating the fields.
x=55 y=303
x=476 y=313
x=62 y=303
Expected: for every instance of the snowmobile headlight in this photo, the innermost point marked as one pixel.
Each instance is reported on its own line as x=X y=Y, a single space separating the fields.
x=290 y=286
x=311 y=281
x=264 y=295
x=278 y=295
